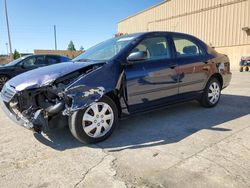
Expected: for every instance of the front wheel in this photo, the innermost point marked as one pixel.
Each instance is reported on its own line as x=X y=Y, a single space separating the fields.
x=212 y=93
x=95 y=123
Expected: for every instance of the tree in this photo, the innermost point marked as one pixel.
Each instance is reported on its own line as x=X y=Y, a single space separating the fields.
x=16 y=54
x=71 y=46
x=81 y=48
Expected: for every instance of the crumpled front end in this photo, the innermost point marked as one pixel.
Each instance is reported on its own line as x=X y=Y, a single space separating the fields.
x=8 y=103
x=47 y=107
x=33 y=109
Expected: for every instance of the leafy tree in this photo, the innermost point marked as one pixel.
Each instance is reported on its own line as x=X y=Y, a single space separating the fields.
x=71 y=46
x=81 y=48
x=16 y=54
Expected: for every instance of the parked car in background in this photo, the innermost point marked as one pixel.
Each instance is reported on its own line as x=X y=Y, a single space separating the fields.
x=117 y=78
x=244 y=63
x=27 y=63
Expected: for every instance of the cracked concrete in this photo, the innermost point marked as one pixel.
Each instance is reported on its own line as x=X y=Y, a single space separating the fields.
x=102 y=175
x=181 y=146
x=88 y=171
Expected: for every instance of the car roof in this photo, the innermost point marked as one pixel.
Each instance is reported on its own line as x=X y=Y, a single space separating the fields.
x=45 y=55
x=153 y=33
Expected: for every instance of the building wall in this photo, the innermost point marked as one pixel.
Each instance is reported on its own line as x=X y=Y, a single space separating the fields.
x=235 y=53
x=4 y=60
x=217 y=22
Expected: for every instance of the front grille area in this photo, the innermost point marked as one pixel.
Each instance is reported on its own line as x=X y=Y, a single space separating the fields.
x=8 y=93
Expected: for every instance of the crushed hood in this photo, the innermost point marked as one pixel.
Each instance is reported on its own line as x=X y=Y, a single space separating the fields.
x=46 y=75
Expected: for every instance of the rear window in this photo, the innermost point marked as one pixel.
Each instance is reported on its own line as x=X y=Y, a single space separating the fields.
x=186 y=48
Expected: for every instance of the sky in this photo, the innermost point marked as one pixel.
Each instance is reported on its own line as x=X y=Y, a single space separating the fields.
x=85 y=22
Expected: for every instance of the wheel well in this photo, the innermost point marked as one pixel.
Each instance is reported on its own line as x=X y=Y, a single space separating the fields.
x=114 y=96
x=218 y=77
x=5 y=75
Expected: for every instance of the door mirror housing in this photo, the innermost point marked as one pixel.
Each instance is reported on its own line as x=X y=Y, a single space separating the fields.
x=137 y=56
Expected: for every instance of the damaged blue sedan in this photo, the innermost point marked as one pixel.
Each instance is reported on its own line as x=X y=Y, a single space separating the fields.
x=119 y=77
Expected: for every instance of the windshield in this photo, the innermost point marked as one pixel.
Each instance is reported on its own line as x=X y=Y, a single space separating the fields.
x=13 y=63
x=105 y=50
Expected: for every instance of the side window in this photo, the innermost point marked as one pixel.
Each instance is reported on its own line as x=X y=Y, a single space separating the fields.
x=29 y=62
x=186 y=48
x=39 y=60
x=52 y=60
x=156 y=48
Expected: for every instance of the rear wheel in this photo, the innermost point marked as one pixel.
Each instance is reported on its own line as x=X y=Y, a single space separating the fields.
x=95 y=123
x=241 y=69
x=247 y=69
x=3 y=80
x=212 y=93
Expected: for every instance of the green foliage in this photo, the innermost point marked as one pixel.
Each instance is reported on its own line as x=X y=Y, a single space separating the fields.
x=16 y=54
x=81 y=48
x=71 y=46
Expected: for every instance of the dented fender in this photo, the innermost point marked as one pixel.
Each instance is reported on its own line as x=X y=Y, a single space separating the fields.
x=82 y=97
x=92 y=87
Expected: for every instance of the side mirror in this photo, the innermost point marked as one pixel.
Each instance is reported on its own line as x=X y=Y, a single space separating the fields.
x=137 y=56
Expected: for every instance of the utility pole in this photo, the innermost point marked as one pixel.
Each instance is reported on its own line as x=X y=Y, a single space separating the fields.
x=7 y=48
x=8 y=29
x=55 y=37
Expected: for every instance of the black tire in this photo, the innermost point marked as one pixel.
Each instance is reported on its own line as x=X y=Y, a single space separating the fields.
x=241 y=69
x=3 y=80
x=76 y=127
x=205 y=101
x=247 y=69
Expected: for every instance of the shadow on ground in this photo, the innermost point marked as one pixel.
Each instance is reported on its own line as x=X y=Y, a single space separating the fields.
x=160 y=127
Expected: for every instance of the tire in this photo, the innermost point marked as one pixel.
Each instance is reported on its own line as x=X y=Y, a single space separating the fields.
x=247 y=69
x=241 y=69
x=212 y=93
x=3 y=80
x=92 y=125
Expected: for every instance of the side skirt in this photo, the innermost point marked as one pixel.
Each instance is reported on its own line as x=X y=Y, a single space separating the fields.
x=162 y=103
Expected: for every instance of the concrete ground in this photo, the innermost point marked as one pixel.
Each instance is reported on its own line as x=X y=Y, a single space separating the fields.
x=182 y=146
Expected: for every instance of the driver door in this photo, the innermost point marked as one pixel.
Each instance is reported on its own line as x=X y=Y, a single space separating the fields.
x=151 y=81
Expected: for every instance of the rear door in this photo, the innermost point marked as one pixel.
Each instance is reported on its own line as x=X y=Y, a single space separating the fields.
x=150 y=81
x=194 y=65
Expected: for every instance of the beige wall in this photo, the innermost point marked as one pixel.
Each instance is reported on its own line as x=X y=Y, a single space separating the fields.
x=235 y=53
x=217 y=22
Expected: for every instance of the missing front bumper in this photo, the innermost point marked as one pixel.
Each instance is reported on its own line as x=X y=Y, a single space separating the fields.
x=20 y=120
